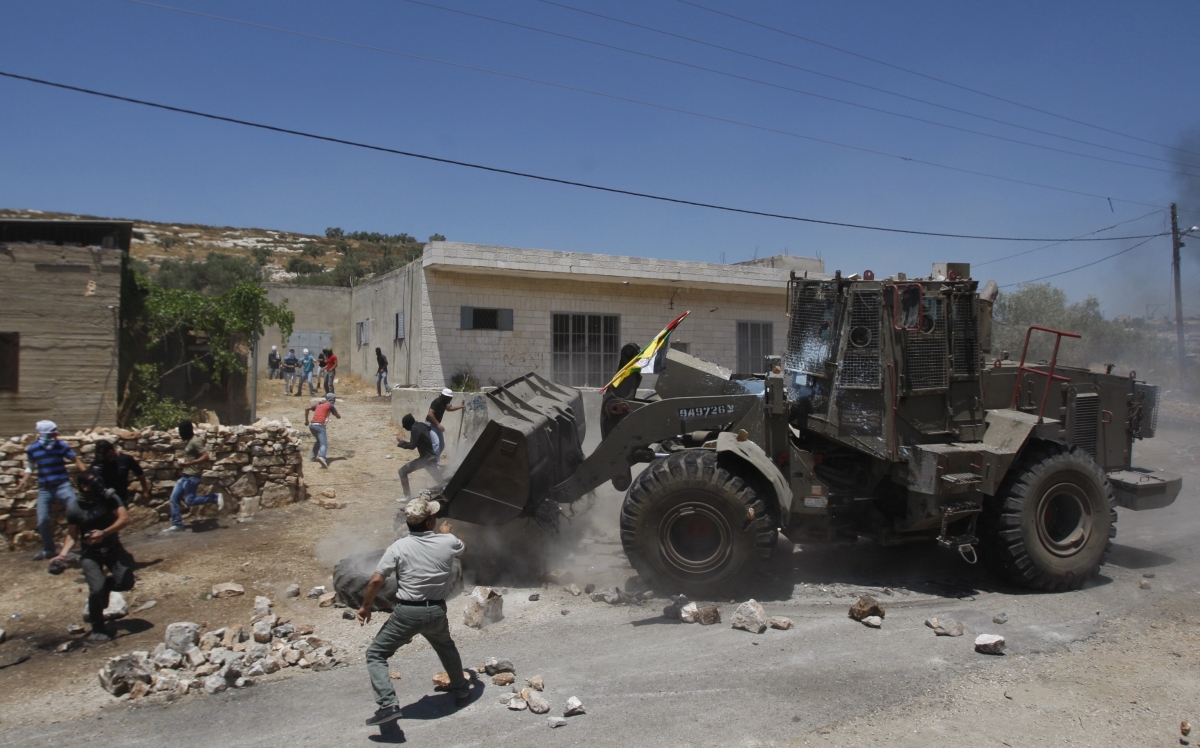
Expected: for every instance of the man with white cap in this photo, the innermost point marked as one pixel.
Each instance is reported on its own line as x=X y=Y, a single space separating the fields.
x=423 y=562
x=437 y=411
x=273 y=363
x=49 y=456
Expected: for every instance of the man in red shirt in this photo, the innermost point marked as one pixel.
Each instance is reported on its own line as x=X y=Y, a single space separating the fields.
x=330 y=370
x=320 y=414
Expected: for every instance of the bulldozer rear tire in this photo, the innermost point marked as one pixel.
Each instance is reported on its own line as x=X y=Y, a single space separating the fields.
x=689 y=524
x=1051 y=524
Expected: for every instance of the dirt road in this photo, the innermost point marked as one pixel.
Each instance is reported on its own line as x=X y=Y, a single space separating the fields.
x=1113 y=664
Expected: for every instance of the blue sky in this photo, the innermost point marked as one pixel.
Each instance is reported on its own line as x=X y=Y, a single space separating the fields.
x=1122 y=66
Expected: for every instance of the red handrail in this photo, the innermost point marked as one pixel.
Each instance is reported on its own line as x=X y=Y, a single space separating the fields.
x=1050 y=376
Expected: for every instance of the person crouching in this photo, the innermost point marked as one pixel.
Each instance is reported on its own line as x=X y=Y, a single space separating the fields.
x=94 y=519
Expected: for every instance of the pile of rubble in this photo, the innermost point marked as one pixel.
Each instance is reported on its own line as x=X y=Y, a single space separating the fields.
x=232 y=657
x=530 y=696
x=870 y=612
x=255 y=466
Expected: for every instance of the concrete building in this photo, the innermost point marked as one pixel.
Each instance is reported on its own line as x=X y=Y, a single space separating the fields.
x=499 y=312
x=60 y=288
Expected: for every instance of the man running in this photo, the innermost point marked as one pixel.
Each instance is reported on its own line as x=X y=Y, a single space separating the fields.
x=320 y=414
x=422 y=562
x=95 y=519
x=49 y=456
x=194 y=456
x=381 y=373
x=116 y=468
x=419 y=438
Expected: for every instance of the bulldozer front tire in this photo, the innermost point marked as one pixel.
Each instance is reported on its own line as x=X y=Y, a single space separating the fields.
x=688 y=524
x=1050 y=526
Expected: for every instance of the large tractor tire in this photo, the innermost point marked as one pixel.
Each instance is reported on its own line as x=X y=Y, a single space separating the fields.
x=689 y=525
x=1051 y=525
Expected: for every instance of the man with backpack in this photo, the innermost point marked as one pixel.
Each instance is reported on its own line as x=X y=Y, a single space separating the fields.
x=419 y=438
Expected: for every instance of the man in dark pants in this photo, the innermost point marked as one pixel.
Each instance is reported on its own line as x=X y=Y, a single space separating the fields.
x=95 y=518
x=437 y=411
x=422 y=563
x=420 y=439
x=273 y=363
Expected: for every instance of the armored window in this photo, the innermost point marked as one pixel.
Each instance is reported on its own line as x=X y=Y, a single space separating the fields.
x=10 y=354
x=584 y=348
x=399 y=325
x=755 y=341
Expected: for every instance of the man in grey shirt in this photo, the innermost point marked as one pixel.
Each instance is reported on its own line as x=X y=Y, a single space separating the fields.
x=422 y=563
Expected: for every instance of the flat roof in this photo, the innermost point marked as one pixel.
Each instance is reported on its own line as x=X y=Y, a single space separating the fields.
x=84 y=233
x=485 y=259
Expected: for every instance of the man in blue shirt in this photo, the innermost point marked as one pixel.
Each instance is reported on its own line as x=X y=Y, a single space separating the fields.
x=307 y=365
x=49 y=456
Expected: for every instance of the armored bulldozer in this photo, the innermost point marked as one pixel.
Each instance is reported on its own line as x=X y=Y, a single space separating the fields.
x=884 y=418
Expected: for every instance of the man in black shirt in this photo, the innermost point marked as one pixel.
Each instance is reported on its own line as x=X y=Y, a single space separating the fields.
x=437 y=411
x=418 y=439
x=273 y=363
x=95 y=518
x=116 y=468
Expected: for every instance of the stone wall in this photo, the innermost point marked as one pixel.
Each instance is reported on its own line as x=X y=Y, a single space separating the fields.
x=257 y=466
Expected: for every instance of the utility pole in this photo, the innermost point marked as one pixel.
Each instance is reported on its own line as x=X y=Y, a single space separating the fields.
x=1176 y=245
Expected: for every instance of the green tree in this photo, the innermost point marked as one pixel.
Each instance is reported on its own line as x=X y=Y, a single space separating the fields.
x=1103 y=342
x=313 y=250
x=303 y=266
x=262 y=254
x=217 y=274
x=437 y=238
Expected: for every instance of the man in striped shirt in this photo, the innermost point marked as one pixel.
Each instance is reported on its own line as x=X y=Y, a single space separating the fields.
x=49 y=456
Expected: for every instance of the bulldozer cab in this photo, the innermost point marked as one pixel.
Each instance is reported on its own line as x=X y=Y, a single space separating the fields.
x=876 y=364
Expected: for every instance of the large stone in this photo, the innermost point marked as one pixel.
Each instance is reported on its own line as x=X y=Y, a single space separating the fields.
x=708 y=616
x=327 y=600
x=866 y=606
x=182 y=635
x=169 y=659
x=781 y=623
x=493 y=666
x=209 y=640
x=989 y=644
x=117 y=608
x=262 y=631
x=244 y=486
x=293 y=590
x=611 y=595
x=119 y=674
x=537 y=703
x=441 y=680
x=485 y=605
x=750 y=616
x=195 y=657
x=537 y=683
x=276 y=494
x=227 y=589
x=945 y=626
x=316 y=592
x=262 y=605
x=574 y=706
x=873 y=622
x=214 y=684
x=688 y=612
x=233 y=635
x=503 y=679
x=556 y=722
x=167 y=680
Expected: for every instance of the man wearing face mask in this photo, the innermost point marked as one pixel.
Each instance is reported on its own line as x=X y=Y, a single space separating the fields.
x=49 y=456
x=94 y=520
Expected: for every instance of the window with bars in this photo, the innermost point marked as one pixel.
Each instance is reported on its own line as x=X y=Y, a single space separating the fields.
x=585 y=348
x=754 y=343
x=362 y=332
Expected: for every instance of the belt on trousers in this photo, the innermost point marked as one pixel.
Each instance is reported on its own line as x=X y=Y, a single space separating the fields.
x=422 y=603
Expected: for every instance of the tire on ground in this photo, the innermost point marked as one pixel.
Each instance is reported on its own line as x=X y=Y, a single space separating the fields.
x=689 y=524
x=1051 y=524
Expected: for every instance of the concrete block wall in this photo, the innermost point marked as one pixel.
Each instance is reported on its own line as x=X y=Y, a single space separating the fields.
x=495 y=356
x=318 y=308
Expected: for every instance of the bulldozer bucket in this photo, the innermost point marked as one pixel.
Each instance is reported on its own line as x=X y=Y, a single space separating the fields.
x=533 y=441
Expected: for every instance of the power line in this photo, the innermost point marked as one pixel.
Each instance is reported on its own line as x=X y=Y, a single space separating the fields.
x=943 y=81
x=640 y=102
x=868 y=87
x=781 y=87
x=539 y=177
x=1081 y=267
x=1055 y=244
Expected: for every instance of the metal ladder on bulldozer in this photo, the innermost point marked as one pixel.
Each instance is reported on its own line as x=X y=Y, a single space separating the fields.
x=1050 y=376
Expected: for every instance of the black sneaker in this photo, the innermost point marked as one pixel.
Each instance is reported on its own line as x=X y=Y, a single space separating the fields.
x=384 y=715
x=461 y=701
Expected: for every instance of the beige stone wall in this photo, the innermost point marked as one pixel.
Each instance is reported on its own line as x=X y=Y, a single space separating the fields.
x=64 y=303
x=258 y=466
x=378 y=300
x=497 y=356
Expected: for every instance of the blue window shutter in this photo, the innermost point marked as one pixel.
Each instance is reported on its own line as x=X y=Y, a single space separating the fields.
x=467 y=321
x=504 y=319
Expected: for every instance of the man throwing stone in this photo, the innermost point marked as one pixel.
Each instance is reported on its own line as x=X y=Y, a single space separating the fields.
x=420 y=438
x=422 y=563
